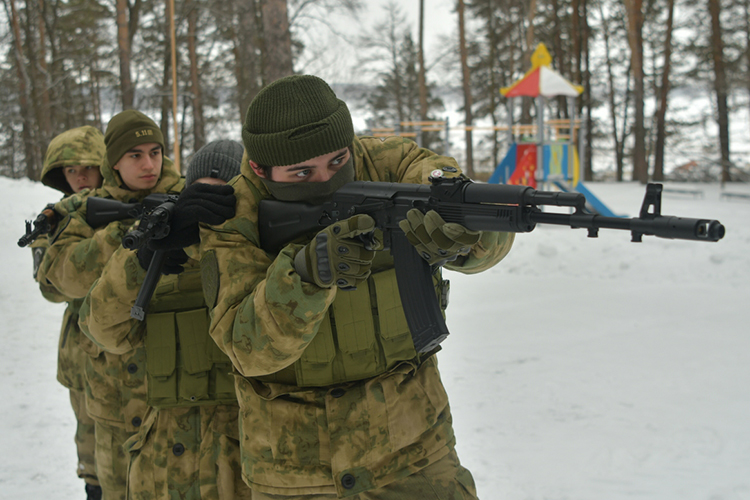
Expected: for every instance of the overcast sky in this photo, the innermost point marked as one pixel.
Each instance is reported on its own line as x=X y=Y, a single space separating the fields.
x=331 y=52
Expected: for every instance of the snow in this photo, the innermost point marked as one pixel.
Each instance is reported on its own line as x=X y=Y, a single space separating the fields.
x=577 y=368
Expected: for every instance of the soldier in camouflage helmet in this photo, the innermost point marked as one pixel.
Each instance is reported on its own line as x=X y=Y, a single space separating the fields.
x=188 y=444
x=334 y=400
x=133 y=167
x=71 y=165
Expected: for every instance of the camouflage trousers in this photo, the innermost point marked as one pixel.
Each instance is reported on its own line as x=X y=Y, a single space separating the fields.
x=111 y=460
x=445 y=479
x=187 y=453
x=85 y=438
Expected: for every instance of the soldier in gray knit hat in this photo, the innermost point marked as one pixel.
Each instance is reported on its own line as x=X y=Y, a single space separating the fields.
x=215 y=163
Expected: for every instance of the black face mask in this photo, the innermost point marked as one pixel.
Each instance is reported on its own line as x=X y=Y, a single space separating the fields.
x=312 y=192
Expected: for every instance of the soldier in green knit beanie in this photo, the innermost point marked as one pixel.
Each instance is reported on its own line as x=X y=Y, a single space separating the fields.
x=334 y=399
x=135 y=150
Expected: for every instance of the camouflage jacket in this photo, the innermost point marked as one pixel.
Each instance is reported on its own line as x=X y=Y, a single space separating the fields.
x=330 y=440
x=73 y=347
x=115 y=390
x=79 y=146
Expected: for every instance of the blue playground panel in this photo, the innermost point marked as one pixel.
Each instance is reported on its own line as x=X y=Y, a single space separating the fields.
x=505 y=168
x=555 y=161
x=555 y=165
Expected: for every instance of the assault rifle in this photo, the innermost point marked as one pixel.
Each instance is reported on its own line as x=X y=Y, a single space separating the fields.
x=44 y=223
x=480 y=207
x=154 y=225
x=99 y=212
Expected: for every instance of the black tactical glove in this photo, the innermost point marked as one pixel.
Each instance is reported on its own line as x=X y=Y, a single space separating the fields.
x=173 y=264
x=336 y=256
x=197 y=203
x=437 y=241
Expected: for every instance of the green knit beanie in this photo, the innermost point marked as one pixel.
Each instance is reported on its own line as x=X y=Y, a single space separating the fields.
x=127 y=130
x=294 y=119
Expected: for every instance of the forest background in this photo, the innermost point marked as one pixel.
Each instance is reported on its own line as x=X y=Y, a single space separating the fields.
x=666 y=82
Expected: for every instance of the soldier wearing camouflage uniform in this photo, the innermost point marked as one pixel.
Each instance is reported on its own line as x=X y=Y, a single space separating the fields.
x=334 y=400
x=115 y=391
x=71 y=165
x=188 y=444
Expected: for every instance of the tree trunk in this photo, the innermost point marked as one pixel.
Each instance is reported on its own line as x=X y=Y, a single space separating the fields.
x=661 y=114
x=45 y=82
x=529 y=50
x=575 y=35
x=588 y=166
x=494 y=89
x=166 y=88
x=720 y=86
x=33 y=158
x=467 y=90
x=199 y=124
x=611 y=94
x=36 y=79
x=635 y=38
x=746 y=6
x=246 y=64
x=277 y=41
x=562 y=108
x=123 y=46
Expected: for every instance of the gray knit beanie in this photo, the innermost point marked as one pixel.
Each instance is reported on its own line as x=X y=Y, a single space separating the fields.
x=219 y=159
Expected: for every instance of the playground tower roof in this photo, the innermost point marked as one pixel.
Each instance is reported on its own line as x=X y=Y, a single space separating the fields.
x=541 y=79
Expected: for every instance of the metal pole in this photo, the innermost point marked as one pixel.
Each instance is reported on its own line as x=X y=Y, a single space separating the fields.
x=447 y=147
x=539 y=136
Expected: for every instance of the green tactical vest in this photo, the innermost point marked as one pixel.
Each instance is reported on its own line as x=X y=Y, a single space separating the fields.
x=363 y=335
x=184 y=366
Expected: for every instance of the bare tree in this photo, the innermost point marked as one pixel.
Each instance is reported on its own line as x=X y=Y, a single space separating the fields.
x=661 y=114
x=617 y=136
x=720 y=85
x=33 y=155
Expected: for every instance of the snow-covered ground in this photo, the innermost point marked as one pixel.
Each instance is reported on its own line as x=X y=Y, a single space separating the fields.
x=581 y=369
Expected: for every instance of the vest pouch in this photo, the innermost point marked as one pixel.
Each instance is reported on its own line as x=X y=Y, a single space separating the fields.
x=195 y=365
x=395 y=336
x=315 y=366
x=161 y=355
x=355 y=333
x=222 y=383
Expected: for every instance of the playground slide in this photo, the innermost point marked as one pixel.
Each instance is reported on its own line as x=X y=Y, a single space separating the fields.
x=593 y=204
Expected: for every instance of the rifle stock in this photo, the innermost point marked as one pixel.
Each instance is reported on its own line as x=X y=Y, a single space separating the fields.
x=479 y=207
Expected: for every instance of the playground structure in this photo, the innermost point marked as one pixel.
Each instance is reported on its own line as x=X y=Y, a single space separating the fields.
x=534 y=158
x=543 y=152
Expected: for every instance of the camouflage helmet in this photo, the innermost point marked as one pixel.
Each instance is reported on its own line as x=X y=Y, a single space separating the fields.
x=79 y=146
